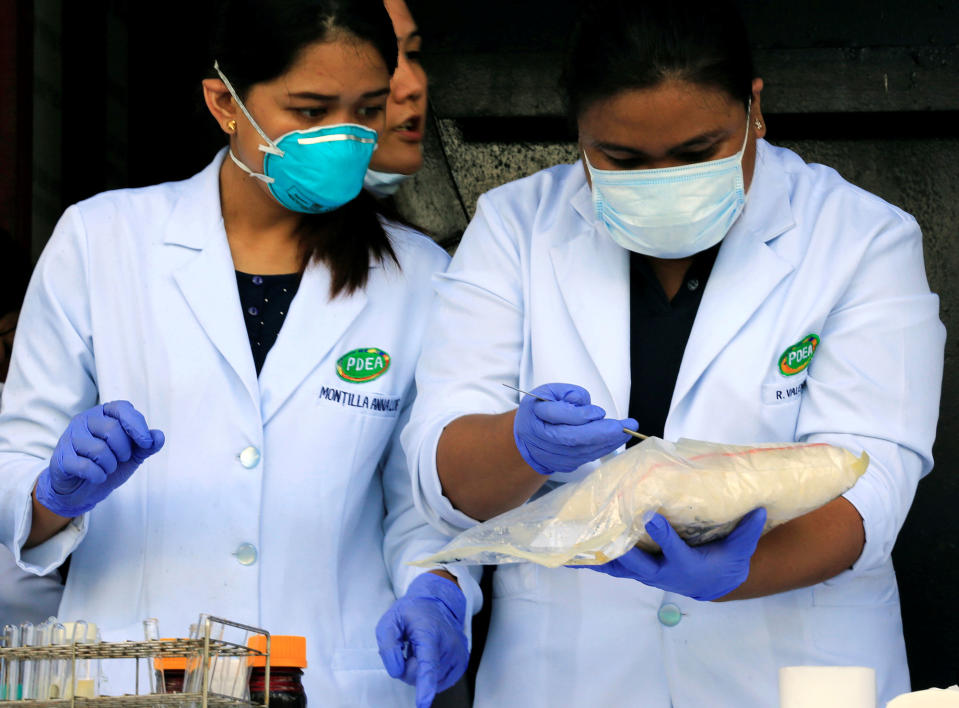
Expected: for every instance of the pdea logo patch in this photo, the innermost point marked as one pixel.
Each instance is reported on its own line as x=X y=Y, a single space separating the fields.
x=797 y=357
x=362 y=365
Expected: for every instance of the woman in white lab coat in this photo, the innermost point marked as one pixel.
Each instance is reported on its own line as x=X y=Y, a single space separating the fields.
x=266 y=322
x=399 y=154
x=644 y=285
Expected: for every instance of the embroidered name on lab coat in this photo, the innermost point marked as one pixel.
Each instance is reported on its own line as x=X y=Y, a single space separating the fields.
x=783 y=392
x=373 y=404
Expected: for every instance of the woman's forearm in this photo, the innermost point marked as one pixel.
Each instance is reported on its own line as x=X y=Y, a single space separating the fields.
x=805 y=551
x=45 y=524
x=481 y=470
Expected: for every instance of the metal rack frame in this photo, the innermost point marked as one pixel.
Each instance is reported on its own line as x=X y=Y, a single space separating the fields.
x=200 y=648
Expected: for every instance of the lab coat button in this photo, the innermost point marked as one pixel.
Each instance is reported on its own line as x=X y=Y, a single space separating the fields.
x=245 y=554
x=249 y=457
x=669 y=615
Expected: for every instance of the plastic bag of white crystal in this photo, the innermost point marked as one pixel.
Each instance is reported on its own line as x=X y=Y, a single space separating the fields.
x=702 y=488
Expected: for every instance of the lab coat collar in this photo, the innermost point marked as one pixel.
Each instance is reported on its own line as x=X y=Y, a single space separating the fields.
x=593 y=273
x=197 y=214
x=746 y=271
x=312 y=327
x=208 y=282
x=582 y=201
x=768 y=211
x=727 y=304
x=208 y=279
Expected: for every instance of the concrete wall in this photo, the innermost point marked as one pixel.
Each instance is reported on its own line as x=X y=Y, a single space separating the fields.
x=869 y=89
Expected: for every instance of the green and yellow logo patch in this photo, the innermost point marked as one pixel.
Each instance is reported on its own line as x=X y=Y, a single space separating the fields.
x=798 y=356
x=362 y=365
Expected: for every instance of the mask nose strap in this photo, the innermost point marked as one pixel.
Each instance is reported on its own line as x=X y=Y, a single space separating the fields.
x=270 y=146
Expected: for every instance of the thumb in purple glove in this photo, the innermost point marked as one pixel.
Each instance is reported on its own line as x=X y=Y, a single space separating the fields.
x=421 y=638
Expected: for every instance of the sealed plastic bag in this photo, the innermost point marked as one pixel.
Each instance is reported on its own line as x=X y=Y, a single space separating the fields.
x=702 y=488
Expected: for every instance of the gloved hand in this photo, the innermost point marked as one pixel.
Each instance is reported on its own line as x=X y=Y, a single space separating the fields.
x=565 y=432
x=421 y=637
x=98 y=452
x=704 y=572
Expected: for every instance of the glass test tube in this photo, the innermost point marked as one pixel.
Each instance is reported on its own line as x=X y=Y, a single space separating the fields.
x=82 y=678
x=151 y=632
x=8 y=641
x=41 y=676
x=11 y=635
x=193 y=680
x=59 y=667
x=27 y=666
x=230 y=675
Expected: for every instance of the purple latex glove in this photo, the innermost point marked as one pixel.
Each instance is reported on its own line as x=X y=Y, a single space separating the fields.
x=421 y=637
x=565 y=432
x=98 y=452
x=705 y=572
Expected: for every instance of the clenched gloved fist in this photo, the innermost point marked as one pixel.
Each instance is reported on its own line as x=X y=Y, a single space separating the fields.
x=98 y=452
x=565 y=432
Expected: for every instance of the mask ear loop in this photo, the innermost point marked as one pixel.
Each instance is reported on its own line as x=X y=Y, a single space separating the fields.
x=270 y=146
x=749 y=110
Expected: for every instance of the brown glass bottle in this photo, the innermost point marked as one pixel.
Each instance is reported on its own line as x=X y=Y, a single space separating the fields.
x=287 y=661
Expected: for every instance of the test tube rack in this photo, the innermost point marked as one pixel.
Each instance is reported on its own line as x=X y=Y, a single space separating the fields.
x=202 y=650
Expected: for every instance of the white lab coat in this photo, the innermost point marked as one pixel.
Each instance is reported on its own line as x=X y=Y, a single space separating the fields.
x=135 y=298
x=25 y=596
x=537 y=293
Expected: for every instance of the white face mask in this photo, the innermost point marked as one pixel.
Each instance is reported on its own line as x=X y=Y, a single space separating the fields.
x=673 y=212
x=383 y=184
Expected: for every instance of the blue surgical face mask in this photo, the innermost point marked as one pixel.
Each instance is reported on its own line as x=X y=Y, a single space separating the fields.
x=315 y=170
x=383 y=184
x=673 y=212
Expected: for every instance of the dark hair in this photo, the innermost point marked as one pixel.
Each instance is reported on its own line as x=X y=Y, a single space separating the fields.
x=619 y=45
x=258 y=40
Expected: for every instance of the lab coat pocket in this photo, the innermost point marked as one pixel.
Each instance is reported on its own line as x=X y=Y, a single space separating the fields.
x=848 y=589
x=856 y=614
x=515 y=580
x=779 y=412
x=784 y=391
x=862 y=634
x=359 y=659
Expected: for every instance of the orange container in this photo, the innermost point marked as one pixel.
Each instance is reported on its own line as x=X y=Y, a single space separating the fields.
x=285 y=650
x=169 y=663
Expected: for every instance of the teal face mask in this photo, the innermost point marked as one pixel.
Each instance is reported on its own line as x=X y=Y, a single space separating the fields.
x=672 y=212
x=383 y=184
x=315 y=170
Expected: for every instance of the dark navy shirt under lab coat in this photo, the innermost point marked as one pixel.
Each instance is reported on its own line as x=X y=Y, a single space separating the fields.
x=659 y=330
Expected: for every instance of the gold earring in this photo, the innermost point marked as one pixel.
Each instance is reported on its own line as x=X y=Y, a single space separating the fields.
x=231 y=126
x=759 y=126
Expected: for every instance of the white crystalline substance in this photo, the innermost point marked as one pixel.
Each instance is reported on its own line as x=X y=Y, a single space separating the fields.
x=704 y=489
x=930 y=698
